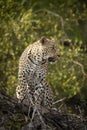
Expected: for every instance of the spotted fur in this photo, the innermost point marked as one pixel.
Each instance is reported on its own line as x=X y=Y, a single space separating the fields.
x=32 y=73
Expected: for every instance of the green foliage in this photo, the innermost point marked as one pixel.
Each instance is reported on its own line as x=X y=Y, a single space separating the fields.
x=23 y=22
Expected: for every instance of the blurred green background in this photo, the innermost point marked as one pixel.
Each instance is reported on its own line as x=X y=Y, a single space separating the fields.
x=24 y=21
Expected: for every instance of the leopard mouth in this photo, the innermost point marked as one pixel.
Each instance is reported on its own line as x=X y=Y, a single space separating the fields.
x=51 y=59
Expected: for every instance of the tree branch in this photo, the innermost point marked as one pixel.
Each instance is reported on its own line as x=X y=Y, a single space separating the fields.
x=82 y=68
x=13 y=112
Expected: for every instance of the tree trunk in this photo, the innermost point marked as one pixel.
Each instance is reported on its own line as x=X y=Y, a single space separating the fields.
x=17 y=116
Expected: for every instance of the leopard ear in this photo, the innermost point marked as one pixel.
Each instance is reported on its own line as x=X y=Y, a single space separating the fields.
x=43 y=40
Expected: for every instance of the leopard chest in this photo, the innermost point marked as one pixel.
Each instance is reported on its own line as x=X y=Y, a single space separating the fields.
x=38 y=75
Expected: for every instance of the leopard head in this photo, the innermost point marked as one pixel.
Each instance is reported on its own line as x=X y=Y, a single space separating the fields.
x=49 y=50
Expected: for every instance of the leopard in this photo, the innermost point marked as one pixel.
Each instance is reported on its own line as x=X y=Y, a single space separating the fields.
x=32 y=73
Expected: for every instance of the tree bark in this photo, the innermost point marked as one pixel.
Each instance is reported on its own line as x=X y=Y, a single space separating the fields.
x=14 y=115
